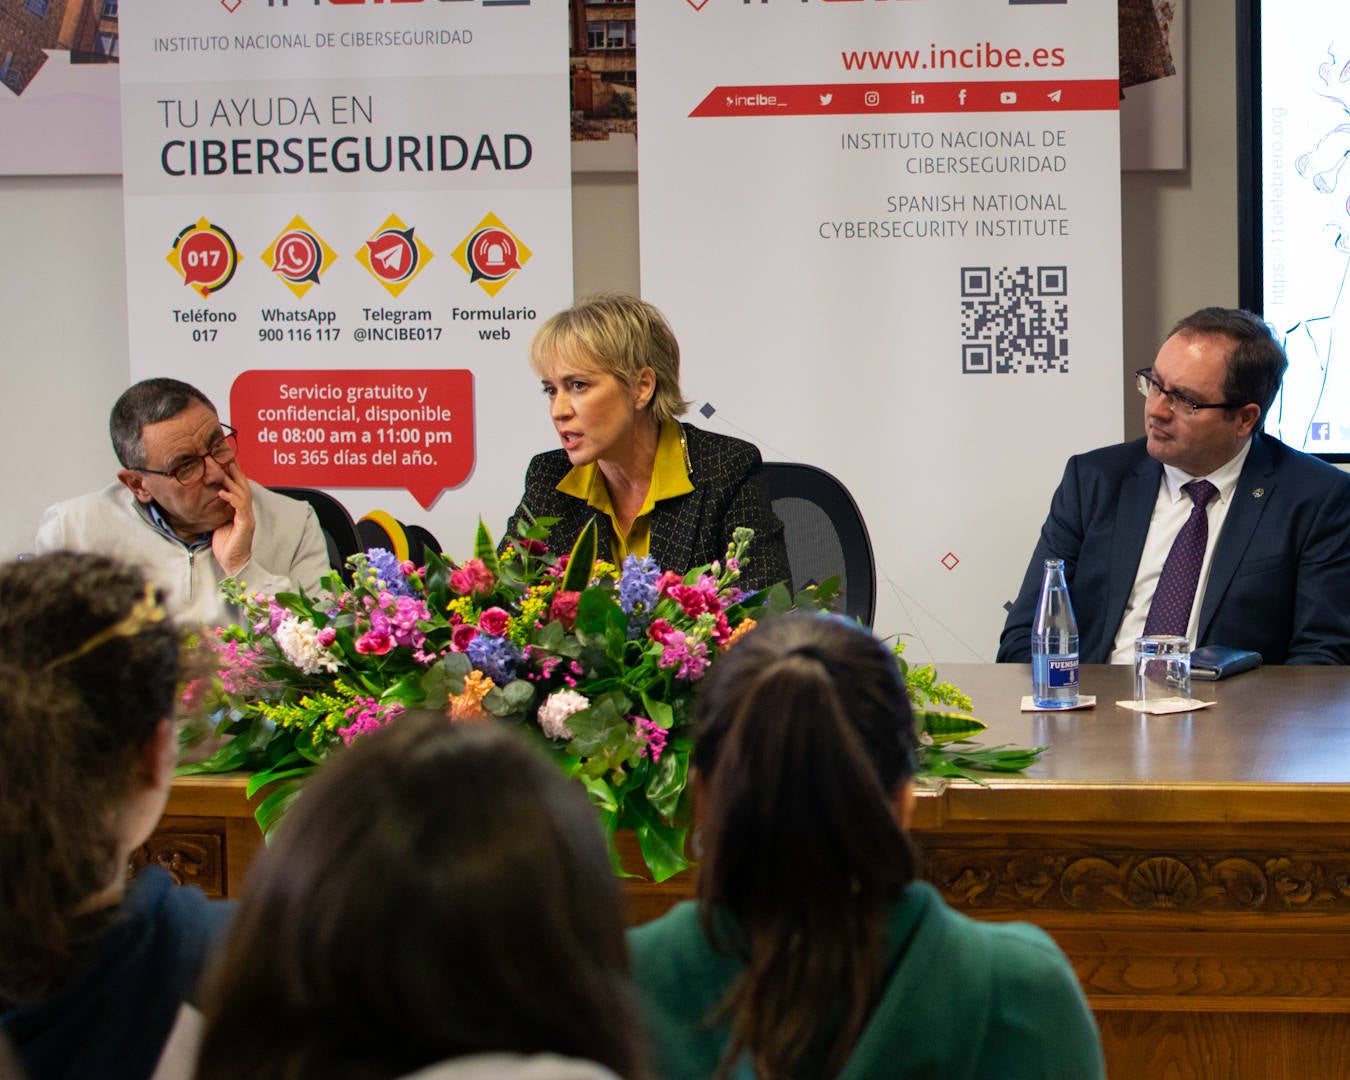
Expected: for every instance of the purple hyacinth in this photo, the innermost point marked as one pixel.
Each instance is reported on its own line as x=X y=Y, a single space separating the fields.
x=637 y=584
x=388 y=572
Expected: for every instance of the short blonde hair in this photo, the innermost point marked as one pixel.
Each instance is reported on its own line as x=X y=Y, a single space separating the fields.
x=620 y=334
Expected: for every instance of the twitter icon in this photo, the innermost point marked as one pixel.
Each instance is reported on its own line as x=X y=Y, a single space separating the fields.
x=825 y=99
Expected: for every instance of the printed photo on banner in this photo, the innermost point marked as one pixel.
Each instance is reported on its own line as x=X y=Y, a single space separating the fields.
x=58 y=87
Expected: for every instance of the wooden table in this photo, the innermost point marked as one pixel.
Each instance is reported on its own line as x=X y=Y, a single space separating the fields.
x=1195 y=867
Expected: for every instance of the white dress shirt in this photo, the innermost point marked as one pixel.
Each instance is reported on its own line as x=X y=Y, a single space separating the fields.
x=1170 y=511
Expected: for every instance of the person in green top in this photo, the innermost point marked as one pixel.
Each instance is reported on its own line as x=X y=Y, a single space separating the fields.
x=812 y=951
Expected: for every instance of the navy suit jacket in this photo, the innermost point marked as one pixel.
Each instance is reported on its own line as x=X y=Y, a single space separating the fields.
x=1279 y=581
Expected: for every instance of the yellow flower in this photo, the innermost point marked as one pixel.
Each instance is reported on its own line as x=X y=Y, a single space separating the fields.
x=468 y=706
x=531 y=609
x=463 y=607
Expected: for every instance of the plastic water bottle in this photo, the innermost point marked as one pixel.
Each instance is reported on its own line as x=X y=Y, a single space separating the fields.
x=1054 y=643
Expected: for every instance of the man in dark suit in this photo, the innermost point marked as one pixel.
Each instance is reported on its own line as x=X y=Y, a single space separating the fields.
x=1275 y=575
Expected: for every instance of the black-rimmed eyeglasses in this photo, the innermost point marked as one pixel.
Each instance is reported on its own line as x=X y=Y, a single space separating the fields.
x=1148 y=386
x=191 y=469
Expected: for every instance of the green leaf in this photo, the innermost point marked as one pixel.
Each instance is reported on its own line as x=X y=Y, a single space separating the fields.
x=593 y=609
x=436 y=581
x=662 y=845
x=602 y=727
x=234 y=755
x=550 y=636
x=667 y=782
x=958 y=759
x=602 y=795
x=292 y=764
x=273 y=808
x=582 y=560
x=779 y=601
x=486 y=550
x=658 y=712
x=518 y=695
x=272 y=777
x=945 y=727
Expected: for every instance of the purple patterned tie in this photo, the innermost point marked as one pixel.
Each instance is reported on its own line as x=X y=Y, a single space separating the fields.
x=1170 y=612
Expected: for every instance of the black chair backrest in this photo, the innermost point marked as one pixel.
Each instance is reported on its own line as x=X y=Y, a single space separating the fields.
x=339 y=530
x=825 y=534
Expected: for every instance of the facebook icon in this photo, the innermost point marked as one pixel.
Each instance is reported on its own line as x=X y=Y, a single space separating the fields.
x=1321 y=432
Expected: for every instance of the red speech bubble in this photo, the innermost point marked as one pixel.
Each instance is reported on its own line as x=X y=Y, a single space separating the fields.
x=206 y=259
x=412 y=429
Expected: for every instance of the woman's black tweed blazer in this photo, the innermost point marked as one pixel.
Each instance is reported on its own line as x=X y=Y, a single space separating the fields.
x=687 y=531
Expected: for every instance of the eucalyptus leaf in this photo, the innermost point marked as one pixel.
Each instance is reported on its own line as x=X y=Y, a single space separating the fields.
x=600 y=728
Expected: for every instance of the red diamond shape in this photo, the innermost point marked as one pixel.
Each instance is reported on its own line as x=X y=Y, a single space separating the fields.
x=949 y=561
x=231 y=5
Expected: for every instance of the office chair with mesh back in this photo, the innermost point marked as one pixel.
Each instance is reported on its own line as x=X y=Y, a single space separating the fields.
x=339 y=530
x=824 y=533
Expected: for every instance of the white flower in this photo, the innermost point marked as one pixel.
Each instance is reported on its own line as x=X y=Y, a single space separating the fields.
x=299 y=640
x=554 y=712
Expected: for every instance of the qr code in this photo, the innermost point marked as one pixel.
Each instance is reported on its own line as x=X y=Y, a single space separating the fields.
x=1014 y=320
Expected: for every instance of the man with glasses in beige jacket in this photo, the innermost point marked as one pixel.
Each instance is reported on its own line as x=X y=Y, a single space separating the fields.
x=184 y=512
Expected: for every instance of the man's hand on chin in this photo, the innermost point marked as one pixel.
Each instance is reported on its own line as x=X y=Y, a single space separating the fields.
x=232 y=543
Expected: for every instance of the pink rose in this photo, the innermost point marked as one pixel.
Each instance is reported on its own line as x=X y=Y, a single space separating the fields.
x=374 y=643
x=461 y=636
x=326 y=636
x=472 y=578
x=493 y=622
x=564 y=608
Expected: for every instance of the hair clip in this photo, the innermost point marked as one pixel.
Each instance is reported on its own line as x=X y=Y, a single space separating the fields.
x=145 y=612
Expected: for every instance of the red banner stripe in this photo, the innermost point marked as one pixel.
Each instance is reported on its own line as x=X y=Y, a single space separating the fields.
x=862 y=99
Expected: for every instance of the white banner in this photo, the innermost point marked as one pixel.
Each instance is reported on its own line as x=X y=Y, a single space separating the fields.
x=344 y=222
x=888 y=237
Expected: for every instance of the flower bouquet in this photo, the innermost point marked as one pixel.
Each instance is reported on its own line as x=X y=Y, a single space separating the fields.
x=599 y=663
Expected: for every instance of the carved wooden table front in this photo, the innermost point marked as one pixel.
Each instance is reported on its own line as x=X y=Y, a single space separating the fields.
x=1195 y=868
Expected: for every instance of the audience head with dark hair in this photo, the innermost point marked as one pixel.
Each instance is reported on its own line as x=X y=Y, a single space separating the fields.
x=813 y=950
x=439 y=898
x=89 y=666
x=804 y=757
